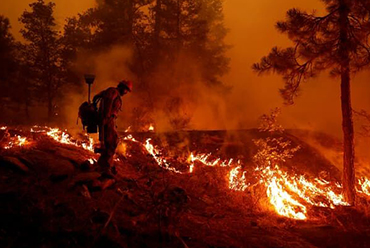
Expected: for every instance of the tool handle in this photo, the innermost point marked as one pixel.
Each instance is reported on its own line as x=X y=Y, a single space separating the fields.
x=88 y=98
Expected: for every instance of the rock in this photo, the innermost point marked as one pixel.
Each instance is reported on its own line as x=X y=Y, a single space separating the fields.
x=14 y=164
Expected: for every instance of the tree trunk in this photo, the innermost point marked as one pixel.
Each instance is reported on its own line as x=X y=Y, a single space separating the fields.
x=349 y=153
x=50 y=110
x=50 y=101
x=347 y=123
x=130 y=17
x=157 y=24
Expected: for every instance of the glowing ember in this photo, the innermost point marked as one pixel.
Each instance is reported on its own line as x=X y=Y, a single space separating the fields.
x=89 y=146
x=17 y=141
x=92 y=161
x=205 y=159
x=237 y=182
x=364 y=184
x=290 y=195
x=151 y=128
x=130 y=138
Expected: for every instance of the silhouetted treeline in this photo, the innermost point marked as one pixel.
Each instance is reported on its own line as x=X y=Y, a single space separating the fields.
x=173 y=42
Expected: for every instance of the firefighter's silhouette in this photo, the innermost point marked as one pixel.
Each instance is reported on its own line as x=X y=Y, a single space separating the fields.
x=109 y=103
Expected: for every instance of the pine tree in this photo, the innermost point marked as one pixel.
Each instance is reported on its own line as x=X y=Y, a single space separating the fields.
x=43 y=50
x=336 y=42
x=195 y=28
x=7 y=45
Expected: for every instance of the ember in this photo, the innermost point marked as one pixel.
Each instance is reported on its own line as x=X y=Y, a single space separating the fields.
x=290 y=195
x=17 y=141
x=237 y=182
x=151 y=128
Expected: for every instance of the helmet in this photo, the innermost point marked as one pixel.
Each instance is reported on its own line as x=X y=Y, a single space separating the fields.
x=127 y=84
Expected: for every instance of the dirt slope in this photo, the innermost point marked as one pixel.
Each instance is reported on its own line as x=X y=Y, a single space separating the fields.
x=48 y=198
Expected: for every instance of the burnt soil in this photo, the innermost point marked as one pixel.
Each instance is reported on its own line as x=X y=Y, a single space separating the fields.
x=50 y=197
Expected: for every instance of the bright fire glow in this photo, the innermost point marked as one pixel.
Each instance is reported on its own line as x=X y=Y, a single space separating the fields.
x=205 y=160
x=237 y=182
x=289 y=194
x=64 y=138
x=17 y=141
x=151 y=127
x=283 y=202
x=156 y=154
x=364 y=186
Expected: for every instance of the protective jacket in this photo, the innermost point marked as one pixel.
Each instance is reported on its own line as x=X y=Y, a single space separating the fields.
x=110 y=104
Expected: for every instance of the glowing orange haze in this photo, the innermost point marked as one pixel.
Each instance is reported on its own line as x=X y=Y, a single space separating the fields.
x=252 y=35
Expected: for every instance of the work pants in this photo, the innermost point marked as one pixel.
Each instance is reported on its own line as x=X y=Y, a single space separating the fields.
x=108 y=134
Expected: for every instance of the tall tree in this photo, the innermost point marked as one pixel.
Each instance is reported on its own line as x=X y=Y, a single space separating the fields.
x=337 y=41
x=7 y=62
x=14 y=81
x=174 y=42
x=43 y=50
x=195 y=28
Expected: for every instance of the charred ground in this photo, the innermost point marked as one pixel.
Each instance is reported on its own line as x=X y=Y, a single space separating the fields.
x=50 y=197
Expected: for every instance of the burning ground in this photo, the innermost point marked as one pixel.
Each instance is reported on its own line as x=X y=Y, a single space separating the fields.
x=183 y=189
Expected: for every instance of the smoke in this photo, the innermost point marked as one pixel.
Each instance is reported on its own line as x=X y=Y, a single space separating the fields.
x=109 y=67
x=252 y=35
x=175 y=97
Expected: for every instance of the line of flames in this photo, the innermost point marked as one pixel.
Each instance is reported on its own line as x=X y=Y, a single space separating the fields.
x=64 y=137
x=289 y=195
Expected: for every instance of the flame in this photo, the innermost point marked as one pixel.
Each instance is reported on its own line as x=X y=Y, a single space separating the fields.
x=130 y=138
x=156 y=154
x=289 y=194
x=65 y=138
x=237 y=182
x=283 y=202
x=151 y=128
x=364 y=184
x=205 y=160
x=92 y=161
x=17 y=141
x=293 y=190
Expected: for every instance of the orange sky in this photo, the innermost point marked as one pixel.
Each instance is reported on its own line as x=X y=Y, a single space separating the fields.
x=252 y=35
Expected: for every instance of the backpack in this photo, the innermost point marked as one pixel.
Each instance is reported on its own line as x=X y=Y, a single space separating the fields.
x=89 y=117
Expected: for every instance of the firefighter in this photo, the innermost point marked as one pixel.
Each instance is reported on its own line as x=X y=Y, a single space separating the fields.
x=110 y=104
